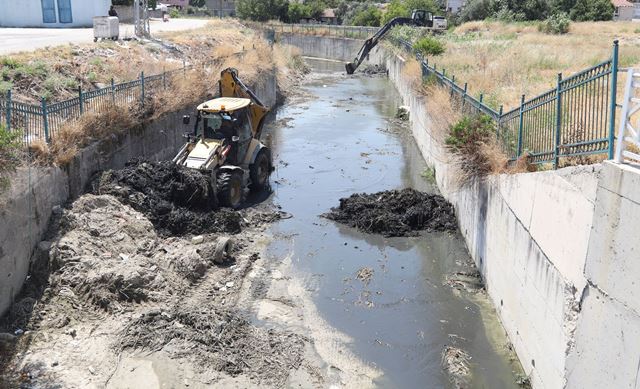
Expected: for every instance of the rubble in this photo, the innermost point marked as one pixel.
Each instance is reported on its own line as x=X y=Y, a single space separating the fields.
x=395 y=212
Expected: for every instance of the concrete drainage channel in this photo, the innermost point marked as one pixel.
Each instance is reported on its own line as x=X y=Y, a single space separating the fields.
x=302 y=301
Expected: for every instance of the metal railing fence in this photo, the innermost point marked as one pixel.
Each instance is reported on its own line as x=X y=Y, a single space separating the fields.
x=577 y=118
x=44 y=121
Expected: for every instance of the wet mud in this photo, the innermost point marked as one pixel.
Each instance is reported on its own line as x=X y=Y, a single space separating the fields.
x=395 y=213
x=176 y=200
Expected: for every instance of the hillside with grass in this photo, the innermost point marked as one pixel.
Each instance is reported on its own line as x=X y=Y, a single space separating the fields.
x=505 y=60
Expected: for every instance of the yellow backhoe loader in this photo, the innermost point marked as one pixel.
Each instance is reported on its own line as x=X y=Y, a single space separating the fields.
x=225 y=142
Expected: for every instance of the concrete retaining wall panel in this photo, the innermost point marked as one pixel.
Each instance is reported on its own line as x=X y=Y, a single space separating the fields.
x=614 y=246
x=25 y=210
x=607 y=351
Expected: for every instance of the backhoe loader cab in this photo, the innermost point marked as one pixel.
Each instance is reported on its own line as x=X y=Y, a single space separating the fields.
x=225 y=143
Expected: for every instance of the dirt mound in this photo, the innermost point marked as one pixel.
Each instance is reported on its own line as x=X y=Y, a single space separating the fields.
x=395 y=212
x=176 y=200
x=224 y=341
x=108 y=253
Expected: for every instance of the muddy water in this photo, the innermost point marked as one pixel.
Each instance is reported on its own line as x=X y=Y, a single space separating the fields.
x=341 y=141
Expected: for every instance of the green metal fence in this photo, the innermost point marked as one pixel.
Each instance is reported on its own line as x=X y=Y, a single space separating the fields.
x=44 y=121
x=576 y=118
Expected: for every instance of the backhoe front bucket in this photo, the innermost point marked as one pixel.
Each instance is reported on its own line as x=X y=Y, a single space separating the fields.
x=350 y=68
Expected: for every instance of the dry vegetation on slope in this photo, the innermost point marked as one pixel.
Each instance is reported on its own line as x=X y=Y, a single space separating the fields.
x=504 y=61
x=56 y=73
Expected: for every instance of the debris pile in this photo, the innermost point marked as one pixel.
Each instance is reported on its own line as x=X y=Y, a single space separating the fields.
x=224 y=341
x=395 y=212
x=455 y=362
x=106 y=253
x=176 y=200
x=373 y=70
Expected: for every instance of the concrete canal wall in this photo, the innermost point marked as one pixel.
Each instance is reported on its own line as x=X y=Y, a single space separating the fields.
x=557 y=249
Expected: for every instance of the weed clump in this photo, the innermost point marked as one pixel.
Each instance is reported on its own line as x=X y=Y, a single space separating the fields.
x=472 y=141
x=555 y=24
x=10 y=148
x=429 y=46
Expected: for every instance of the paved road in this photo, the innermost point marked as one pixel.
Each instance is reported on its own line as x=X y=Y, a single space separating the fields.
x=13 y=40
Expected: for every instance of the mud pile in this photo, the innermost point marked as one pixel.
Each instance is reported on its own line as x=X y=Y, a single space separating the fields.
x=176 y=200
x=395 y=212
x=107 y=253
x=373 y=70
x=224 y=342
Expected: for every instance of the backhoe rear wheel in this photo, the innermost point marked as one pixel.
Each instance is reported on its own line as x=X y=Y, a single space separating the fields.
x=260 y=170
x=230 y=189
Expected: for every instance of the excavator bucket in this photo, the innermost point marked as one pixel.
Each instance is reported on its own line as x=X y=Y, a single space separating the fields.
x=350 y=68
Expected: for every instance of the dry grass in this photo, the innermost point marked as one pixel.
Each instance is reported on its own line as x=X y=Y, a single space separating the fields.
x=92 y=126
x=504 y=61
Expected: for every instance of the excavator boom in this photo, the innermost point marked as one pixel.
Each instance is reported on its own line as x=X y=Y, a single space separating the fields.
x=418 y=18
x=373 y=41
x=232 y=86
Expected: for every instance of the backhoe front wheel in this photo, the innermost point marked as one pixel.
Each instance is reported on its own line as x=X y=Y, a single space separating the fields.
x=230 y=189
x=260 y=170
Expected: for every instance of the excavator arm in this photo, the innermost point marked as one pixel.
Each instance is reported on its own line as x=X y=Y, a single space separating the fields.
x=373 y=41
x=232 y=86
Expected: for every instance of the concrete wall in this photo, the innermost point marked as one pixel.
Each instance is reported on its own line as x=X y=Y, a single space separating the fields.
x=26 y=208
x=28 y=13
x=559 y=250
x=323 y=47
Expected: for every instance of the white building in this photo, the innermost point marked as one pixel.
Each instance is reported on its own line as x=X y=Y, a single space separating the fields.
x=453 y=6
x=51 y=13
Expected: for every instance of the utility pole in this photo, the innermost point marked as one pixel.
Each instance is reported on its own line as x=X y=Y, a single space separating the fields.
x=141 y=18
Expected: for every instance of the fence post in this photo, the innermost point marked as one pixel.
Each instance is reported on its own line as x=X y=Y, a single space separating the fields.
x=499 y=122
x=614 y=84
x=113 y=91
x=45 y=119
x=464 y=94
x=81 y=99
x=9 y=106
x=453 y=82
x=556 y=152
x=481 y=98
x=142 y=88
x=520 y=126
x=184 y=68
x=164 y=78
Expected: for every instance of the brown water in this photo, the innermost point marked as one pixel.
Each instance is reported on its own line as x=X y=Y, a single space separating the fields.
x=399 y=322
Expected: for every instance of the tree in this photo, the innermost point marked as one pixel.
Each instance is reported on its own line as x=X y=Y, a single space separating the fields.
x=296 y=12
x=370 y=16
x=476 y=10
x=198 y=3
x=262 y=10
x=395 y=9
x=596 y=10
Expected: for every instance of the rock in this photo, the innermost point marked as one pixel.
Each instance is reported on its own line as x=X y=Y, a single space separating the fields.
x=197 y=239
x=229 y=284
x=123 y=257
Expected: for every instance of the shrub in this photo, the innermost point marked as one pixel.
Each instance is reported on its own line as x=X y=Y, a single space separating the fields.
x=429 y=46
x=10 y=148
x=174 y=13
x=472 y=140
x=469 y=131
x=555 y=24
